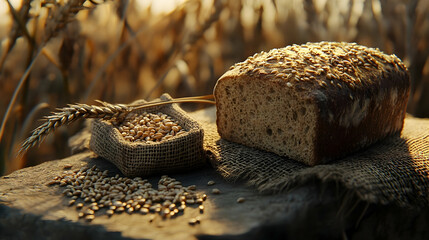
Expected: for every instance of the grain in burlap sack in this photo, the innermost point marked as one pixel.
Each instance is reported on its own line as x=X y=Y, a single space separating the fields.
x=395 y=170
x=180 y=153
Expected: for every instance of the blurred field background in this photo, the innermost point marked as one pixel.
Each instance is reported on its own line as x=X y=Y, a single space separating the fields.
x=120 y=51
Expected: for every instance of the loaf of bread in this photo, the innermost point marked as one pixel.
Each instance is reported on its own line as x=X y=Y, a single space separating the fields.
x=313 y=102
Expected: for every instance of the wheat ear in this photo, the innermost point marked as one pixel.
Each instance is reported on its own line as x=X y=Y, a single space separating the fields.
x=68 y=115
x=72 y=112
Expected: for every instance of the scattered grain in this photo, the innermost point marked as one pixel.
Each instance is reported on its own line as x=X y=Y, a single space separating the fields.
x=67 y=166
x=96 y=190
x=215 y=191
x=192 y=221
x=89 y=218
x=110 y=212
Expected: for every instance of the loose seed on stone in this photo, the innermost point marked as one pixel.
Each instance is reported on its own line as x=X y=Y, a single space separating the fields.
x=120 y=209
x=210 y=183
x=52 y=182
x=67 y=166
x=181 y=208
x=119 y=194
x=71 y=202
x=192 y=221
x=130 y=210
x=77 y=193
x=89 y=212
x=215 y=191
x=166 y=212
x=144 y=210
x=110 y=212
x=241 y=200
x=89 y=218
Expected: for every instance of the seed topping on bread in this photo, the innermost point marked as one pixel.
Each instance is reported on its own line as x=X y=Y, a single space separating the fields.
x=339 y=64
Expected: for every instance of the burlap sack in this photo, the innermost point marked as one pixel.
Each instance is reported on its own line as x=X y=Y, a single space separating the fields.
x=395 y=170
x=180 y=153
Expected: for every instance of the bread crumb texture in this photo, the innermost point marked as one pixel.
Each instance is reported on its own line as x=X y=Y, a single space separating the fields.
x=276 y=100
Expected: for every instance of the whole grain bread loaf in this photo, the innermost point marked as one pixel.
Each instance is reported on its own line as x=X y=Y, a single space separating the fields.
x=313 y=102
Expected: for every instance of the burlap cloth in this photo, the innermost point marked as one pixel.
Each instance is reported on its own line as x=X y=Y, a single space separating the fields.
x=395 y=170
x=181 y=153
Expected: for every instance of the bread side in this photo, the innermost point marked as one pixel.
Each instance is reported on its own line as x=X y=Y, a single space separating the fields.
x=264 y=115
x=314 y=102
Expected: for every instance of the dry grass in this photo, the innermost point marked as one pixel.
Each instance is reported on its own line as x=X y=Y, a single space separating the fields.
x=120 y=51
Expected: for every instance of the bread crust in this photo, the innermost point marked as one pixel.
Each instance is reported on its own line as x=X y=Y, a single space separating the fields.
x=360 y=93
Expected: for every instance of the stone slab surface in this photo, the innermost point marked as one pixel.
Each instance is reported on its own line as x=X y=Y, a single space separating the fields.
x=30 y=208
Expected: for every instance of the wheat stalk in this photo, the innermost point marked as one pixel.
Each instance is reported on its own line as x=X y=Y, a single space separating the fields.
x=56 y=20
x=189 y=42
x=69 y=114
x=59 y=16
x=198 y=34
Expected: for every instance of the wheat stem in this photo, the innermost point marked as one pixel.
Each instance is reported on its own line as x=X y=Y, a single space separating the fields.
x=15 y=93
x=178 y=55
x=51 y=28
x=20 y=22
x=173 y=101
x=114 y=55
x=201 y=99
